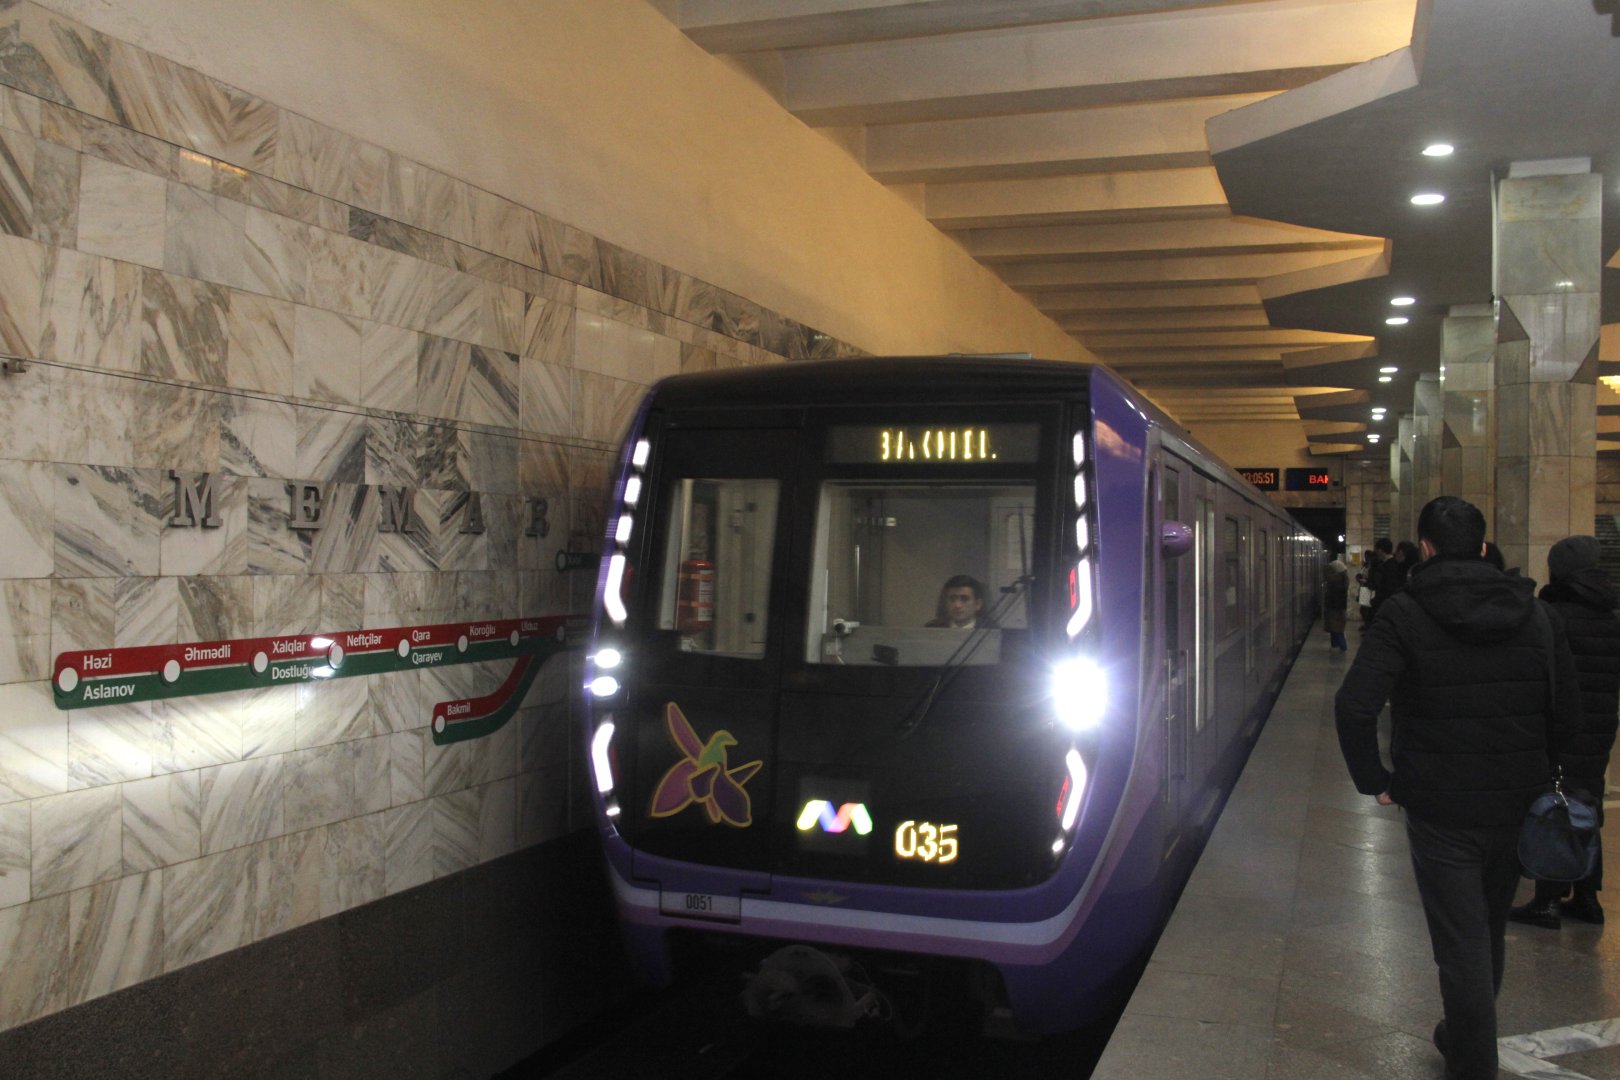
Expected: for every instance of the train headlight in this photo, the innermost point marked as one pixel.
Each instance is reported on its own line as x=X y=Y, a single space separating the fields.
x=603 y=686
x=1079 y=693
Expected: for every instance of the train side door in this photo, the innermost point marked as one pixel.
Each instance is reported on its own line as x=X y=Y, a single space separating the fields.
x=1205 y=743
x=1178 y=618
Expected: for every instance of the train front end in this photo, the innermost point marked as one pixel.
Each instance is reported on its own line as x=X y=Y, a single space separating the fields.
x=849 y=686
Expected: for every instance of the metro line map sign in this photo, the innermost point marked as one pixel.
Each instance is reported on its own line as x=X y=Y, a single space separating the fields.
x=86 y=678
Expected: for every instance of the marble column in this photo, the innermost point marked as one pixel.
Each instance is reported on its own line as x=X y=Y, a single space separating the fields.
x=1548 y=266
x=1427 y=417
x=1468 y=385
x=1403 y=482
x=1366 y=497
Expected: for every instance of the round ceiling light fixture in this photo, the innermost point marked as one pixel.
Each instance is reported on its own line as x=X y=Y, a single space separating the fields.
x=1438 y=149
x=1428 y=198
x=1397 y=320
x=1402 y=301
x=1390 y=370
x=1386 y=378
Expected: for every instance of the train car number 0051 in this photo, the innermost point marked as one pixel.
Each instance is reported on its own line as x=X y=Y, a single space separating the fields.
x=696 y=905
x=926 y=841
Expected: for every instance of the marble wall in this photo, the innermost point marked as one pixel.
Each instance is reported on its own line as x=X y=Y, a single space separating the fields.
x=199 y=280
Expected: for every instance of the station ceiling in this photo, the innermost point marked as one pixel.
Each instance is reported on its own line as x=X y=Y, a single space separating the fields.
x=1212 y=197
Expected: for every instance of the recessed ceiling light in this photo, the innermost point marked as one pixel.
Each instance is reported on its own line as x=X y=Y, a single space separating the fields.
x=1438 y=149
x=1428 y=198
x=1390 y=370
x=1403 y=301
x=1386 y=378
x=1372 y=438
x=1397 y=320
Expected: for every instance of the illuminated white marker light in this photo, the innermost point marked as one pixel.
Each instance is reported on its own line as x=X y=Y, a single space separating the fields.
x=599 y=757
x=604 y=686
x=612 y=600
x=1081 y=615
x=1077 y=788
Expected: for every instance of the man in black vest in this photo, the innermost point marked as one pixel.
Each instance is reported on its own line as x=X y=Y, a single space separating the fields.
x=1483 y=695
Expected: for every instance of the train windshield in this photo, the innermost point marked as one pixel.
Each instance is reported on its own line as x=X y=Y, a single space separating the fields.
x=919 y=573
x=717 y=565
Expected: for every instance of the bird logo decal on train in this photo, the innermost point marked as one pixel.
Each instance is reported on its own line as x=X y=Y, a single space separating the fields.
x=703 y=776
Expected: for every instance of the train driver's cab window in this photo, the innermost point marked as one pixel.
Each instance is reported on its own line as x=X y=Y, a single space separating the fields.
x=919 y=573
x=716 y=579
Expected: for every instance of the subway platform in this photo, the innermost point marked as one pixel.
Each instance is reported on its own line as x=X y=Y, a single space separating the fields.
x=1299 y=951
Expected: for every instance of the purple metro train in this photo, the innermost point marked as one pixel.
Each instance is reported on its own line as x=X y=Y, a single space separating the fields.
x=945 y=662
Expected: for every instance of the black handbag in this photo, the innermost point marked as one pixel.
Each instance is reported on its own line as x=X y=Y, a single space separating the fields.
x=1559 y=838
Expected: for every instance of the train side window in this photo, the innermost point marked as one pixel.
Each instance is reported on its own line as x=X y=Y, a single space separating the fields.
x=1262 y=585
x=716 y=583
x=1232 y=552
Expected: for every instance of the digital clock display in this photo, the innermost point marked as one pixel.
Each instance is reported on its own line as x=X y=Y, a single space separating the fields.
x=934 y=444
x=1264 y=479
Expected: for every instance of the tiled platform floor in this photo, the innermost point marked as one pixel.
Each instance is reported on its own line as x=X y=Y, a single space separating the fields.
x=1299 y=952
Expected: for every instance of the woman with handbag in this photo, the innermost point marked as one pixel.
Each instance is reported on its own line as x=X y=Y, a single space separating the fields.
x=1583 y=595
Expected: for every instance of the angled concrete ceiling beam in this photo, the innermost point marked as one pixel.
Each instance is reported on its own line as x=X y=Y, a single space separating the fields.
x=1253 y=318
x=1224 y=49
x=1153 y=135
x=1187 y=298
x=1207 y=269
x=1357 y=267
x=723 y=26
x=1204 y=358
x=1271 y=338
x=1200 y=237
x=1074 y=199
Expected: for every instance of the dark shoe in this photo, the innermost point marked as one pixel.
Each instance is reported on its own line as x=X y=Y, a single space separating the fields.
x=1441 y=1043
x=1584 y=908
x=1537 y=913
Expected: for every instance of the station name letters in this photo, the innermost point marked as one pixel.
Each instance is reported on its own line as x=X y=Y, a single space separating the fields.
x=308 y=504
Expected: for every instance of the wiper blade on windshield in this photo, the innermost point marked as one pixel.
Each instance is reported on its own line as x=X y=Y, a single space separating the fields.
x=963 y=653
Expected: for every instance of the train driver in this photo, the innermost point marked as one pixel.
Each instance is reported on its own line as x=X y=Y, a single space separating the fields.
x=961 y=604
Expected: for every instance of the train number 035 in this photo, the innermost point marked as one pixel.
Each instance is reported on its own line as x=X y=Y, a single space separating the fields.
x=926 y=842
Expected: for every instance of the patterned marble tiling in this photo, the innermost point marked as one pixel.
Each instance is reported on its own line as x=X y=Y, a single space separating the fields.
x=391 y=203
x=215 y=285
x=16 y=879
x=162 y=819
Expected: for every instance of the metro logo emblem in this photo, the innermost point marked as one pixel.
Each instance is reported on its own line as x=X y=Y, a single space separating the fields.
x=821 y=811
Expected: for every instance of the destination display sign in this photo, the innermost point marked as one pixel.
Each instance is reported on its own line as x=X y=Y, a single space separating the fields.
x=86 y=678
x=1307 y=480
x=933 y=444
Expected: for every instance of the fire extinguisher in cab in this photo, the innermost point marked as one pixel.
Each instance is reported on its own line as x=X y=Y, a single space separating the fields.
x=694 y=607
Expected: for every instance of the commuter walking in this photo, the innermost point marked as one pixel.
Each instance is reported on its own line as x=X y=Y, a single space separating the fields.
x=1335 y=598
x=1464 y=654
x=1585 y=597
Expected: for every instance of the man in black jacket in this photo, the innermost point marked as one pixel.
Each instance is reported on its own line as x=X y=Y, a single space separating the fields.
x=1483 y=694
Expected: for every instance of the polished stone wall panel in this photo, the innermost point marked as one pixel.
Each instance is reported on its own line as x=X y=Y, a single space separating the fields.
x=209 y=284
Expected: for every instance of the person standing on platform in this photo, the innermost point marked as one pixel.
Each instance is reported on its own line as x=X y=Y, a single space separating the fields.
x=1377 y=559
x=1464 y=655
x=1583 y=594
x=1335 y=598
